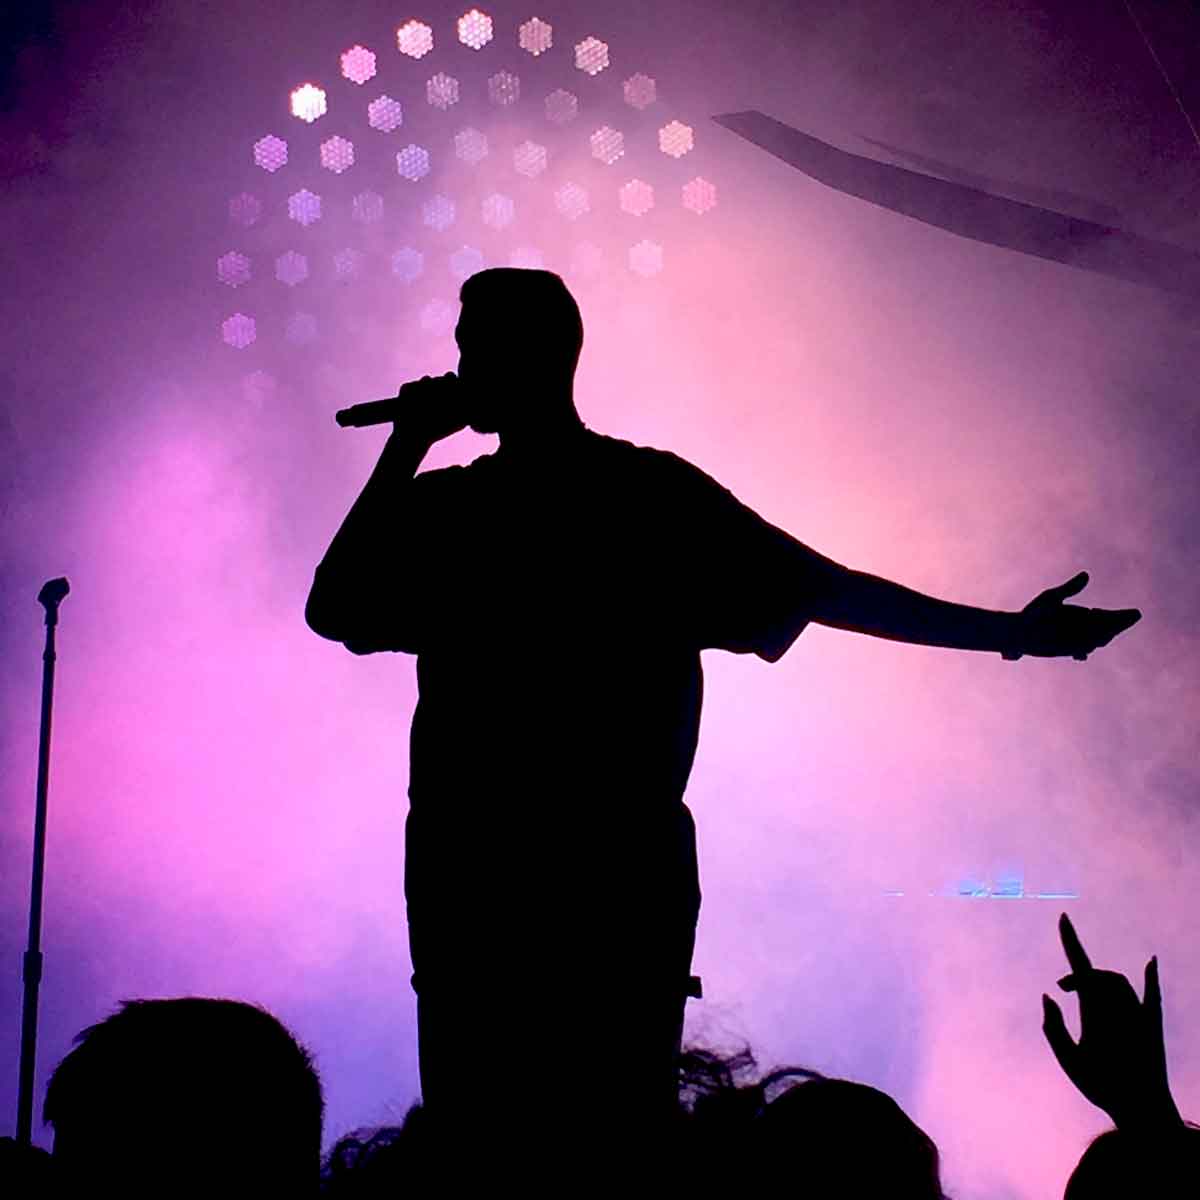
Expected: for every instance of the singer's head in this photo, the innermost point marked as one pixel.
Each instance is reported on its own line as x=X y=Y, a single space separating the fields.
x=519 y=336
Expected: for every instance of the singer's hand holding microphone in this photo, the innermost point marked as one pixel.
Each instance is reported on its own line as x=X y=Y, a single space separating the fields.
x=429 y=408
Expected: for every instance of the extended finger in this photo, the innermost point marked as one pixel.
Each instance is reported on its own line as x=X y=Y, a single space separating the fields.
x=1057 y=1034
x=1076 y=954
x=1152 y=992
x=1072 y=587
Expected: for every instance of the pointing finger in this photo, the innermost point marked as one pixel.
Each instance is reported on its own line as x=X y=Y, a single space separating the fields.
x=1076 y=954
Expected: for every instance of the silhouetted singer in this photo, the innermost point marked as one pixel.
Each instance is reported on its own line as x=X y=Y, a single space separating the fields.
x=557 y=594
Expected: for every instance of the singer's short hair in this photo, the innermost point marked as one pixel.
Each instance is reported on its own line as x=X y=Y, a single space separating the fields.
x=518 y=298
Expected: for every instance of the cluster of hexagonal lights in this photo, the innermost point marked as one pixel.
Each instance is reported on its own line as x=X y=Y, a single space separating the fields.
x=407 y=264
x=640 y=91
x=591 y=56
x=385 y=114
x=636 y=197
x=337 y=154
x=471 y=146
x=646 y=258
x=291 y=268
x=238 y=331
x=504 y=88
x=498 y=211
x=607 y=144
x=438 y=212
x=304 y=207
x=245 y=209
x=676 y=139
x=358 y=64
x=699 y=195
x=367 y=207
x=442 y=91
x=415 y=39
x=308 y=103
x=413 y=162
x=233 y=269
x=562 y=107
x=465 y=262
x=475 y=29
x=529 y=159
x=270 y=153
x=301 y=328
x=571 y=200
x=347 y=264
x=535 y=36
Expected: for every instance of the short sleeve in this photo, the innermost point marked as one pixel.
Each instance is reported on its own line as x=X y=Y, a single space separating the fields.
x=749 y=587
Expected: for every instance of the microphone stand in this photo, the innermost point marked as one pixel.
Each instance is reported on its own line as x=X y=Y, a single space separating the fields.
x=49 y=597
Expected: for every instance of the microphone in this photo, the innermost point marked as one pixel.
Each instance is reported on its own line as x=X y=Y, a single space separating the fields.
x=380 y=412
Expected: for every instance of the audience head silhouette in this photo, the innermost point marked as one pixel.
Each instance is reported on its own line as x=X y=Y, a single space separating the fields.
x=1119 y=1164
x=192 y=1094
x=519 y=337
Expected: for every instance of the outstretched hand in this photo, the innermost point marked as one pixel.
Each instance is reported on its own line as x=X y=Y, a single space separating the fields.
x=1048 y=628
x=1120 y=1061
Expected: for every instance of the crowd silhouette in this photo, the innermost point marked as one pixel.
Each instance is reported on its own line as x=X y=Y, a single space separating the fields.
x=557 y=595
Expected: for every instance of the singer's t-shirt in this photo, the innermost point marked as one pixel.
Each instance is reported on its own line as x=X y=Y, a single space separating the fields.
x=558 y=611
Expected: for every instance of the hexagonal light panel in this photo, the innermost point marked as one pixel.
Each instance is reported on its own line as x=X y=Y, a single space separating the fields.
x=699 y=195
x=304 y=206
x=413 y=162
x=465 y=262
x=528 y=257
x=238 y=331
x=442 y=90
x=591 y=56
x=471 y=146
x=358 y=64
x=385 y=114
x=348 y=264
x=640 y=91
x=646 y=258
x=367 y=207
x=301 y=328
x=270 y=153
x=675 y=139
x=258 y=388
x=245 y=209
x=415 y=39
x=308 y=102
x=407 y=264
x=438 y=213
x=291 y=268
x=233 y=269
x=475 y=29
x=529 y=159
x=587 y=260
x=571 y=200
x=337 y=154
x=561 y=107
x=535 y=36
x=636 y=197
x=607 y=144
x=438 y=317
x=504 y=88
x=498 y=211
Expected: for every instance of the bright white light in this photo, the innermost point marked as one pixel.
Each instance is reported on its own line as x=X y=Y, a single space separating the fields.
x=414 y=39
x=591 y=56
x=238 y=331
x=337 y=154
x=270 y=153
x=304 y=206
x=607 y=144
x=504 y=88
x=498 y=211
x=358 y=64
x=438 y=213
x=442 y=90
x=245 y=209
x=465 y=262
x=535 y=36
x=699 y=195
x=301 y=328
x=637 y=197
x=529 y=159
x=413 y=162
x=385 y=114
x=640 y=91
x=571 y=200
x=233 y=269
x=367 y=207
x=675 y=139
x=308 y=103
x=475 y=29
x=646 y=258
x=471 y=146
x=407 y=264
x=291 y=268
x=561 y=107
